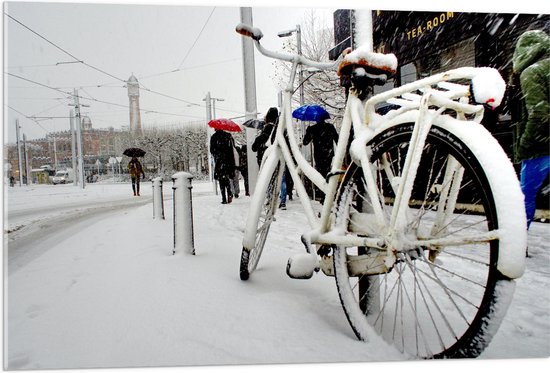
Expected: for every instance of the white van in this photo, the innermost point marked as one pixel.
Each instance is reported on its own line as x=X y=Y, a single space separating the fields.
x=63 y=176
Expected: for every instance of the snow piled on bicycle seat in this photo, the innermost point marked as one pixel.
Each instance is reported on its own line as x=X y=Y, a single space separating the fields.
x=488 y=87
x=364 y=56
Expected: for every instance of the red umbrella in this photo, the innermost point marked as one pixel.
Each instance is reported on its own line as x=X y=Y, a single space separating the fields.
x=224 y=124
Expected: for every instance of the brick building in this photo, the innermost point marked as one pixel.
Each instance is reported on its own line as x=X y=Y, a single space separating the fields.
x=98 y=144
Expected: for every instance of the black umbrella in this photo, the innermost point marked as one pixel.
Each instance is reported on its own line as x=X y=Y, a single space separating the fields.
x=134 y=152
x=254 y=123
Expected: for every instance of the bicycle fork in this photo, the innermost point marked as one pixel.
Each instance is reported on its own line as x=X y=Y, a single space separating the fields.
x=394 y=227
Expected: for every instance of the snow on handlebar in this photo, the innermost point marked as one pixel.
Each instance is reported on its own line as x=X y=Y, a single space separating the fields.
x=488 y=87
x=256 y=34
x=247 y=30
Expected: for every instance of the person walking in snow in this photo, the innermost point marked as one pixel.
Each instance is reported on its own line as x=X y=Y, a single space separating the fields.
x=243 y=167
x=136 y=170
x=531 y=69
x=267 y=134
x=259 y=145
x=324 y=136
x=235 y=186
x=221 y=147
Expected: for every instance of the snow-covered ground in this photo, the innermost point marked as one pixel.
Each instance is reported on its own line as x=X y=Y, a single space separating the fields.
x=90 y=282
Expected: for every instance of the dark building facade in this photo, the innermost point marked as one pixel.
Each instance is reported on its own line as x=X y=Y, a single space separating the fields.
x=426 y=43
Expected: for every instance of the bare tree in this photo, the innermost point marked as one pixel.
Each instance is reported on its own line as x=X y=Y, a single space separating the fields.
x=321 y=87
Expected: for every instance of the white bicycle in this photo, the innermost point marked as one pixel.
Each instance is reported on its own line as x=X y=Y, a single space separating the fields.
x=423 y=224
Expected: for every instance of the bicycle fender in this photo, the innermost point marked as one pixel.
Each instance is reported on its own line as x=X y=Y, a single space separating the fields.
x=507 y=194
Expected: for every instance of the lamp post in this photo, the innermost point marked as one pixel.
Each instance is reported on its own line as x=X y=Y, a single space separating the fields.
x=298 y=31
x=211 y=114
x=19 y=158
x=214 y=99
x=249 y=75
x=77 y=105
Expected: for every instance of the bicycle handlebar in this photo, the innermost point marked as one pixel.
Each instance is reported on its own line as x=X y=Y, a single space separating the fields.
x=256 y=34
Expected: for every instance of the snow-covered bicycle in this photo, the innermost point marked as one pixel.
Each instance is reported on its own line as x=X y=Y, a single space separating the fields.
x=422 y=225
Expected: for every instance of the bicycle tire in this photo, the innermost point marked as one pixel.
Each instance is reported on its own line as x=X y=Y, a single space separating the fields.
x=445 y=306
x=251 y=256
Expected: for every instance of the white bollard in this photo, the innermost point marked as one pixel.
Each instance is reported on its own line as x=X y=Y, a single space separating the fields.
x=183 y=213
x=158 y=199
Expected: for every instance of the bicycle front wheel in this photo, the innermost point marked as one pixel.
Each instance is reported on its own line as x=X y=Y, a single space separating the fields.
x=432 y=301
x=261 y=215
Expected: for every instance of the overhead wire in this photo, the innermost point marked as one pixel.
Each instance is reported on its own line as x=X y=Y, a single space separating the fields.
x=105 y=72
x=97 y=100
x=25 y=116
x=77 y=60
x=197 y=38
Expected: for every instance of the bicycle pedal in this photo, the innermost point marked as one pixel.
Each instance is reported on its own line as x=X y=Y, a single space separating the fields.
x=302 y=266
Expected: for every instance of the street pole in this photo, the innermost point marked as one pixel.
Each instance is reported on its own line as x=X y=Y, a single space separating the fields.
x=78 y=125
x=213 y=107
x=214 y=99
x=26 y=157
x=301 y=73
x=208 y=101
x=55 y=153
x=251 y=108
x=19 y=152
x=73 y=147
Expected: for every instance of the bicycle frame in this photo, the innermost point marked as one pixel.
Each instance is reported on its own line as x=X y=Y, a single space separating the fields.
x=435 y=91
x=359 y=116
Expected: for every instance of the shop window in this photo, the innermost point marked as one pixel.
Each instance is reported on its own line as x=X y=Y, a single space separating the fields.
x=407 y=73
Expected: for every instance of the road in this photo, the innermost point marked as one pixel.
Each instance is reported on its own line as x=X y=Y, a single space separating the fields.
x=109 y=287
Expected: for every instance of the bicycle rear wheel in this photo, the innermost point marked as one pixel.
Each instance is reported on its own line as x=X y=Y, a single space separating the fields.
x=250 y=255
x=433 y=302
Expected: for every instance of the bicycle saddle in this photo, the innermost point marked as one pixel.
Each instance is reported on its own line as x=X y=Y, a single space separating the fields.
x=376 y=66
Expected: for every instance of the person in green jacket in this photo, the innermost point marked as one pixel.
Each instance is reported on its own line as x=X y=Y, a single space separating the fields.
x=531 y=64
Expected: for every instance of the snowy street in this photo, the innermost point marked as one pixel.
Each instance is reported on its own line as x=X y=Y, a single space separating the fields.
x=91 y=282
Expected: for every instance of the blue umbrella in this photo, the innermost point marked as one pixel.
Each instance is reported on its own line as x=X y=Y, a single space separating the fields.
x=312 y=113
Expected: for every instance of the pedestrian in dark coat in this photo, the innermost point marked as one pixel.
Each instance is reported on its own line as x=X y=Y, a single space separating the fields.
x=221 y=147
x=259 y=145
x=136 y=170
x=243 y=167
x=531 y=63
x=267 y=135
x=234 y=182
x=324 y=136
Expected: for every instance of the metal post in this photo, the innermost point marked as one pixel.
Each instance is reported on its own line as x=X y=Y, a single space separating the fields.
x=20 y=160
x=183 y=213
x=364 y=37
x=79 y=140
x=208 y=101
x=250 y=98
x=26 y=159
x=214 y=99
x=55 y=152
x=73 y=148
x=301 y=73
x=158 y=199
x=213 y=107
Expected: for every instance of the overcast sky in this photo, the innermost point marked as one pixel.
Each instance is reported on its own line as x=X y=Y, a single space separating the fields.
x=178 y=52
x=149 y=41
